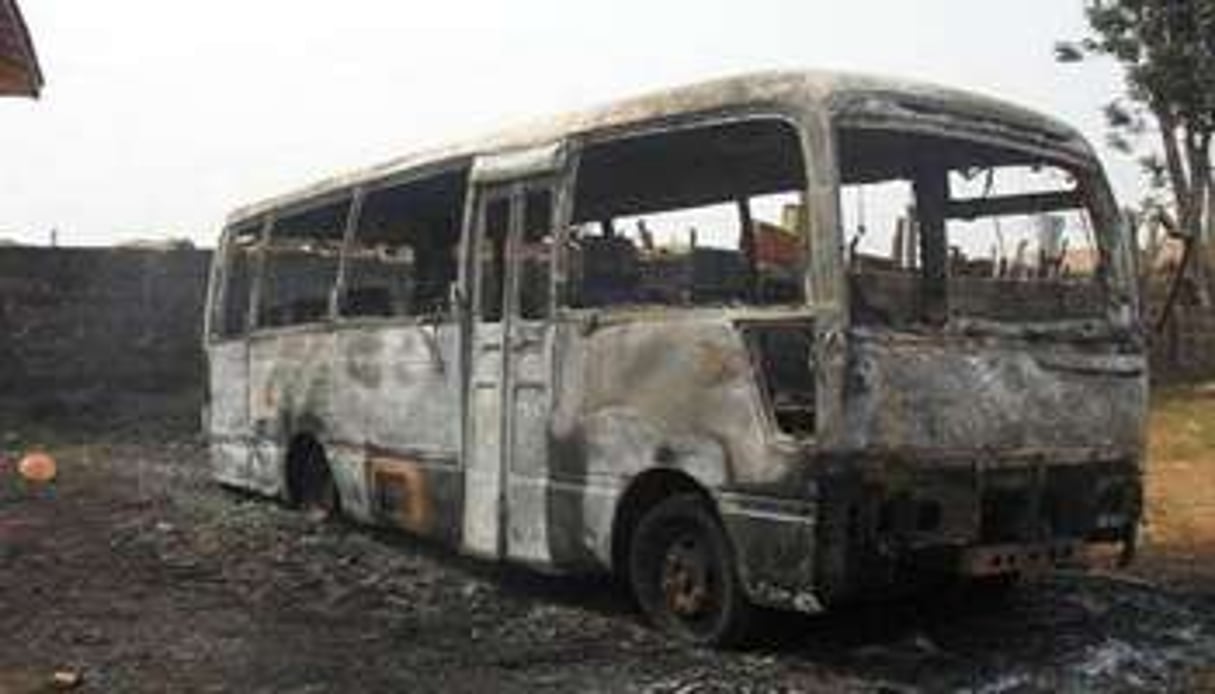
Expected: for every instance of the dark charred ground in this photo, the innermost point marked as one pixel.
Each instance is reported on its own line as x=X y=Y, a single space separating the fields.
x=138 y=573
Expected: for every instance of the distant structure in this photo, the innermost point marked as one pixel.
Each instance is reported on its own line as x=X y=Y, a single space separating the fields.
x=906 y=242
x=1050 y=234
x=1051 y=244
x=19 y=71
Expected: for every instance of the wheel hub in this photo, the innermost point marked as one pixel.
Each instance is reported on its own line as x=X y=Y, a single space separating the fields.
x=685 y=578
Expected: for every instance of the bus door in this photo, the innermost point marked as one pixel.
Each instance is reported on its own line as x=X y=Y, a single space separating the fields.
x=508 y=370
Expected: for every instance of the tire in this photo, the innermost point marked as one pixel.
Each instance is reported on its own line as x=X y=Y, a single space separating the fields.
x=324 y=502
x=683 y=574
x=316 y=491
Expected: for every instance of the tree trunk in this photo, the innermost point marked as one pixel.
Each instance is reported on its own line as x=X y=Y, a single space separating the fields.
x=1178 y=180
x=1189 y=178
x=1204 y=251
x=1204 y=216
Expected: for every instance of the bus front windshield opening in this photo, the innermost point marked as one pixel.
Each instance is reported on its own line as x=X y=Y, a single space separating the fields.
x=939 y=229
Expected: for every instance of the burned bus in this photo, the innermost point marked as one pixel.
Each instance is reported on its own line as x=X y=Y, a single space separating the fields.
x=780 y=340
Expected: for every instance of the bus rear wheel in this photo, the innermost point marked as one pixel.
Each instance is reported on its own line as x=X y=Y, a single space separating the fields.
x=323 y=503
x=682 y=570
x=313 y=488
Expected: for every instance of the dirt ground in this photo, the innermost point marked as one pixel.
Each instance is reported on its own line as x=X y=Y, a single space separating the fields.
x=1179 y=529
x=136 y=573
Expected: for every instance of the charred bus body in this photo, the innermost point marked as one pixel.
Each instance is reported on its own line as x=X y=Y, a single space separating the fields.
x=649 y=339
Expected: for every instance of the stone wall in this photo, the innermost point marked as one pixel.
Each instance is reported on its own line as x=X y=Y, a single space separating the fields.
x=96 y=336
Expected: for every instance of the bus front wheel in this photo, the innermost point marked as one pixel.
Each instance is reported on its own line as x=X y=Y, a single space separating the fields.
x=682 y=570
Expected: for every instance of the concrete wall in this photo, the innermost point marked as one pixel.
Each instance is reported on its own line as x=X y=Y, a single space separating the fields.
x=96 y=336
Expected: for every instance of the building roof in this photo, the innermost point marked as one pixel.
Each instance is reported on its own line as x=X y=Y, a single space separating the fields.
x=19 y=71
x=806 y=90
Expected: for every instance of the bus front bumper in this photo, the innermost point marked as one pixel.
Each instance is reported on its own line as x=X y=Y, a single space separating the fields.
x=1041 y=558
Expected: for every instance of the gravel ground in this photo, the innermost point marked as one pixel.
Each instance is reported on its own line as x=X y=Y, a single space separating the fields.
x=136 y=573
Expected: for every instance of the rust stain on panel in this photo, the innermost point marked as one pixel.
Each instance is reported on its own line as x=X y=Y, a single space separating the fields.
x=404 y=493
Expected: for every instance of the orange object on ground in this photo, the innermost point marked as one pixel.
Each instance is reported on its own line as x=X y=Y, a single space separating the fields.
x=37 y=467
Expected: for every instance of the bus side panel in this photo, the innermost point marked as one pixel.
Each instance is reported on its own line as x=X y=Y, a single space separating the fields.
x=634 y=397
x=228 y=416
x=412 y=387
x=291 y=389
x=405 y=380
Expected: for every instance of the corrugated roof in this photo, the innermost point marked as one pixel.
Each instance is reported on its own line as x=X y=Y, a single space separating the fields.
x=19 y=71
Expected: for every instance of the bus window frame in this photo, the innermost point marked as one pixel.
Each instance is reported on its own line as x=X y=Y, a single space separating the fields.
x=450 y=314
x=220 y=274
x=253 y=321
x=779 y=113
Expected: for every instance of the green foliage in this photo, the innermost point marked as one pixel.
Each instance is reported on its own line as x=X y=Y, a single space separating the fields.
x=1167 y=48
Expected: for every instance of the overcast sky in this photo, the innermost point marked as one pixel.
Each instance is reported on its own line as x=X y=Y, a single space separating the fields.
x=159 y=117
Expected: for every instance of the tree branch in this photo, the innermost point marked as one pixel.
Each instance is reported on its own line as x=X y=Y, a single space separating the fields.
x=1177 y=173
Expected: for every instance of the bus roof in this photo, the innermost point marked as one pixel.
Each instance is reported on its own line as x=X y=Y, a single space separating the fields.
x=802 y=89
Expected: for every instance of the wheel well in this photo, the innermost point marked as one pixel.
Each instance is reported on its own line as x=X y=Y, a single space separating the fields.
x=306 y=465
x=644 y=492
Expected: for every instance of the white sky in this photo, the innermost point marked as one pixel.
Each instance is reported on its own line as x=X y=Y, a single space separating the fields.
x=160 y=116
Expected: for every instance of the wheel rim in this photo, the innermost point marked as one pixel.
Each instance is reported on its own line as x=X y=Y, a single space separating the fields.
x=682 y=573
x=687 y=579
